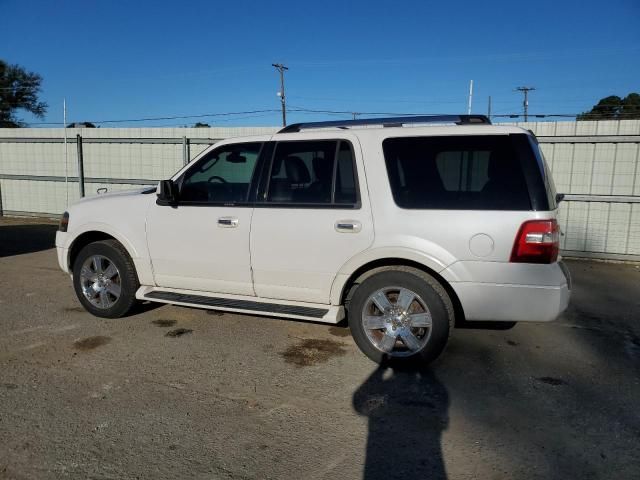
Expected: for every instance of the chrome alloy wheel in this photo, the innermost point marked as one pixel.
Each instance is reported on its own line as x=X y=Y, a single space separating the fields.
x=397 y=321
x=100 y=281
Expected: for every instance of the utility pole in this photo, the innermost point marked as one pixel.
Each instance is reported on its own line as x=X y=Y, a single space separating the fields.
x=66 y=151
x=489 y=109
x=281 y=68
x=525 y=103
x=470 y=97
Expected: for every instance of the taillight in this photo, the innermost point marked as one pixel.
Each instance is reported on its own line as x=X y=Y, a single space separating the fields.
x=538 y=241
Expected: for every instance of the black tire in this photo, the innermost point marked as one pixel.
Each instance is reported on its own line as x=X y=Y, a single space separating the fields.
x=127 y=277
x=431 y=292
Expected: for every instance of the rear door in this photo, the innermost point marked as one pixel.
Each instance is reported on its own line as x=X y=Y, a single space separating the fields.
x=312 y=215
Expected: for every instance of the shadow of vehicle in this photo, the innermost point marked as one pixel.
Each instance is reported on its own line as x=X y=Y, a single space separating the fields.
x=407 y=411
x=26 y=238
x=484 y=325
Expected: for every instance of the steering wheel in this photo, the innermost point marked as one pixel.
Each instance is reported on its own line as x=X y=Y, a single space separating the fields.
x=219 y=179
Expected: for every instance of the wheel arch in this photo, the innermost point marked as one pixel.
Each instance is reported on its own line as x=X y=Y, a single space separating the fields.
x=87 y=237
x=383 y=264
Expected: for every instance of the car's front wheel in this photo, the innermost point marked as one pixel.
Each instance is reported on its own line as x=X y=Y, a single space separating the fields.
x=105 y=279
x=400 y=315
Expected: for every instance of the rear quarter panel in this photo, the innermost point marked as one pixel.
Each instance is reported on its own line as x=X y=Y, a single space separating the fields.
x=463 y=246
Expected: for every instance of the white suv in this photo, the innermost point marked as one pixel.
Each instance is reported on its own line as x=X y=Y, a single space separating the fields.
x=403 y=225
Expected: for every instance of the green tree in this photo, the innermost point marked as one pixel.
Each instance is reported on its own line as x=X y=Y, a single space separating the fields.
x=19 y=90
x=614 y=108
x=631 y=106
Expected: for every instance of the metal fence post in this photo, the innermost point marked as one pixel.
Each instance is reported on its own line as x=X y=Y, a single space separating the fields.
x=186 y=155
x=1 y=214
x=80 y=165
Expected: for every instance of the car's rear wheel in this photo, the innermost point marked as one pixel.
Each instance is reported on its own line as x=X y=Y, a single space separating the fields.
x=105 y=279
x=401 y=316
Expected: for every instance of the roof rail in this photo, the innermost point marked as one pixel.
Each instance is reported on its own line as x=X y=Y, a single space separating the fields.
x=391 y=122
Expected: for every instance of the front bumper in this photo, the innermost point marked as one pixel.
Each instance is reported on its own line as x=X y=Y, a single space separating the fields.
x=62 y=251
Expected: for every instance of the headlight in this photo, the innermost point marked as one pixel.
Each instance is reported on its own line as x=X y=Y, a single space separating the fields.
x=64 y=222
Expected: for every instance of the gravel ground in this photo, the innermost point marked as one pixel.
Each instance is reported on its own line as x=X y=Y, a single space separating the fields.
x=174 y=392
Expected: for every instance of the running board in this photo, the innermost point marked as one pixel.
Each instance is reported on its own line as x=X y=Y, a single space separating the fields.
x=332 y=314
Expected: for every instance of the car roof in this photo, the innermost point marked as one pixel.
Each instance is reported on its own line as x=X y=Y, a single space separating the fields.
x=407 y=131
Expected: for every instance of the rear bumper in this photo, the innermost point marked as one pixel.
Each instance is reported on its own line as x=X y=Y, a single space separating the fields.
x=519 y=303
x=540 y=294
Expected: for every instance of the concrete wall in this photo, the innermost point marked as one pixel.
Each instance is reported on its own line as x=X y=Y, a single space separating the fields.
x=595 y=163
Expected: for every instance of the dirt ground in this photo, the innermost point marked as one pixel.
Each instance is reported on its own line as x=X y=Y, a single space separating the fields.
x=176 y=392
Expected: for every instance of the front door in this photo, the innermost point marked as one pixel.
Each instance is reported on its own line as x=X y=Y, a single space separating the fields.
x=311 y=217
x=203 y=242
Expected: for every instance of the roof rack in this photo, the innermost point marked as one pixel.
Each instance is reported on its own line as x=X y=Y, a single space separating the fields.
x=391 y=122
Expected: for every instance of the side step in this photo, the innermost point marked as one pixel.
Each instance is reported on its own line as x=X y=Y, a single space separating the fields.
x=332 y=314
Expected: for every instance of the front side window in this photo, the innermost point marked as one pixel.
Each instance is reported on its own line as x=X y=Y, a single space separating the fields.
x=222 y=176
x=319 y=172
x=456 y=172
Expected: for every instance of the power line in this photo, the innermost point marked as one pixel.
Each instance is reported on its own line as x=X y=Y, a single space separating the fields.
x=231 y=116
x=350 y=112
x=378 y=99
x=175 y=117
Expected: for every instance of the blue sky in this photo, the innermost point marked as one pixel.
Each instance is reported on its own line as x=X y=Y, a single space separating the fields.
x=138 y=59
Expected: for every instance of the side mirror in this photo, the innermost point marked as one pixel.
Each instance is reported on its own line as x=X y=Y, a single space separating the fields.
x=559 y=197
x=167 y=193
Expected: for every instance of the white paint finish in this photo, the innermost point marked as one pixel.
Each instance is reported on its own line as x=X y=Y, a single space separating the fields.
x=481 y=245
x=296 y=252
x=442 y=234
x=297 y=255
x=120 y=215
x=190 y=250
x=478 y=271
x=361 y=260
x=520 y=303
x=62 y=254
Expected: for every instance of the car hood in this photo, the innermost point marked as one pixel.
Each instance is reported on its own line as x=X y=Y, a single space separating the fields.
x=123 y=193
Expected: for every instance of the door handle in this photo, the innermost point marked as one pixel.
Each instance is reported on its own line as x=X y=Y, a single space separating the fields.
x=227 y=222
x=348 y=226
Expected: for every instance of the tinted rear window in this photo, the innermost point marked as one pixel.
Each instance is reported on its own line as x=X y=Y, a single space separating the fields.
x=456 y=172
